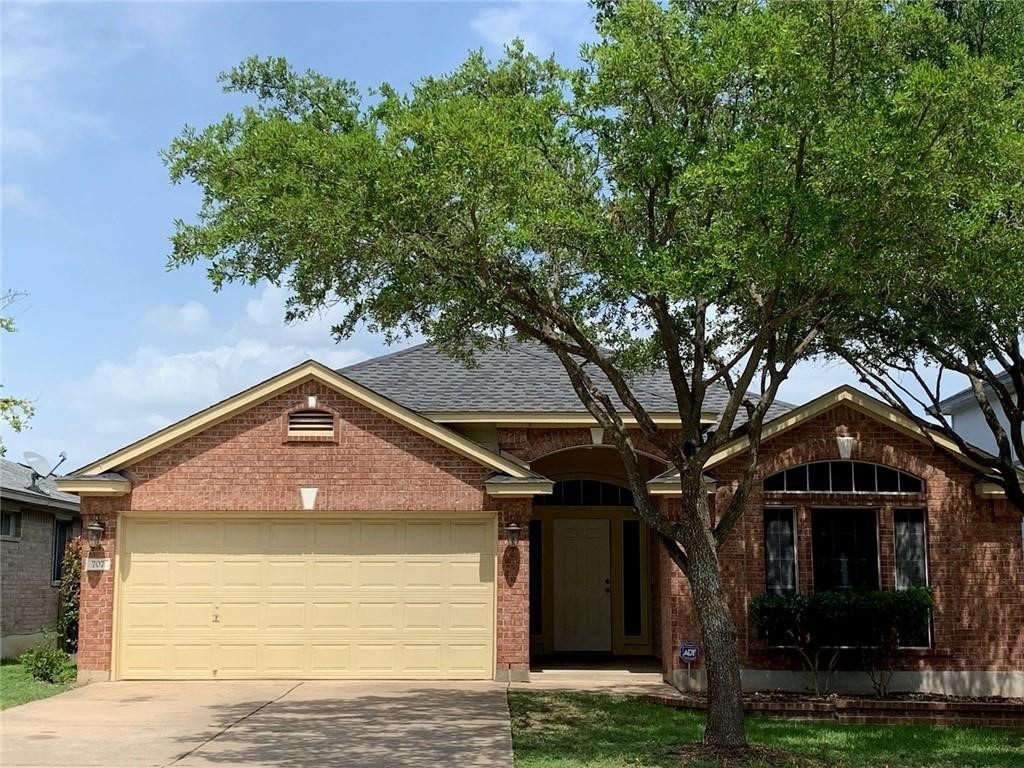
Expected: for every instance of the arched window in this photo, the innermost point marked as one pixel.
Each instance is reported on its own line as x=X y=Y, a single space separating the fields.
x=586 y=493
x=311 y=423
x=843 y=477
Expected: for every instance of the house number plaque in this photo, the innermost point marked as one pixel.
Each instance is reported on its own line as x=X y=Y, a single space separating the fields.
x=97 y=564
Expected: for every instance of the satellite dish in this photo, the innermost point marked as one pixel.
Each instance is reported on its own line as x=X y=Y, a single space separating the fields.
x=38 y=463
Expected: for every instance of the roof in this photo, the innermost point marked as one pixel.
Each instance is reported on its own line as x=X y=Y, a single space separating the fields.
x=18 y=485
x=524 y=378
x=966 y=396
x=307 y=371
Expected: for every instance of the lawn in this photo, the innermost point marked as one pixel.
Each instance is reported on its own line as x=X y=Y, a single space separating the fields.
x=18 y=687
x=599 y=731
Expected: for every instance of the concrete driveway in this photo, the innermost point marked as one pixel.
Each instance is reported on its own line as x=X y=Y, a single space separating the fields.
x=288 y=723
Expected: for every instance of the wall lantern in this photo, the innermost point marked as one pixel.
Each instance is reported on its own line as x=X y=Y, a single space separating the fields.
x=512 y=533
x=597 y=435
x=308 y=496
x=95 y=532
x=844 y=442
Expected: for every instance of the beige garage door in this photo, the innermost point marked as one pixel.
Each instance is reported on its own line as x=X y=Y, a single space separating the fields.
x=324 y=598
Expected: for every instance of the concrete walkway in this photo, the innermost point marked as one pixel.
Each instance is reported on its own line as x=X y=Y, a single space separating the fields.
x=266 y=723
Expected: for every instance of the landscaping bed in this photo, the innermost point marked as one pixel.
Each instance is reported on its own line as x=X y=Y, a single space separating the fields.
x=908 y=709
x=555 y=729
x=17 y=686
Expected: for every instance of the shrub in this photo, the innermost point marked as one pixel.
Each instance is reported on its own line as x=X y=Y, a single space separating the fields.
x=819 y=626
x=70 y=594
x=47 y=662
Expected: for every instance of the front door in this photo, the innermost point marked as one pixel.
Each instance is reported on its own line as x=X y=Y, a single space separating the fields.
x=582 y=586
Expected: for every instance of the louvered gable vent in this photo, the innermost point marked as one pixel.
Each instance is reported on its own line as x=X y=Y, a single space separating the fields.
x=310 y=423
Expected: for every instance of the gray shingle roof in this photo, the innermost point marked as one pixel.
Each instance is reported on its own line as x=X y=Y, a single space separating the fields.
x=525 y=378
x=17 y=483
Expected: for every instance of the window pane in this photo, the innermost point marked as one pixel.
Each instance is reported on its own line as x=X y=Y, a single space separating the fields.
x=61 y=534
x=888 y=480
x=536 y=576
x=842 y=476
x=796 y=479
x=845 y=549
x=776 y=482
x=572 y=494
x=908 y=529
x=909 y=483
x=632 y=585
x=590 y=495
x=819 y=479
x=864 y=476
x=779 y=551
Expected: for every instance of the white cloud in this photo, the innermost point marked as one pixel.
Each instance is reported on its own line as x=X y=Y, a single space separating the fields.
x=542 y=26
x=190 y=319
x=127 y=397
x=18 y=199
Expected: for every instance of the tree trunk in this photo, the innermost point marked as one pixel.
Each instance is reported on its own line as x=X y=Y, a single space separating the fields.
x=725 y=695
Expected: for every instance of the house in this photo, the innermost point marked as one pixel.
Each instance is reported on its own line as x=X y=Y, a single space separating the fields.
x=36 y=522
x=407 y=517
x=966 y=418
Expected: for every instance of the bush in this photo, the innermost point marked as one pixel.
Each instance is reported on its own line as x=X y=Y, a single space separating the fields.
x=70 y=592
x=819 y=626
x=47 y=662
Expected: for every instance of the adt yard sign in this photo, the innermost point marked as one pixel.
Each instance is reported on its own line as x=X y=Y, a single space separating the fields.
x=689 y=652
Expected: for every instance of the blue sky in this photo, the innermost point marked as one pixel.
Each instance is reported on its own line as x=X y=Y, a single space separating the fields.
x=110 y=345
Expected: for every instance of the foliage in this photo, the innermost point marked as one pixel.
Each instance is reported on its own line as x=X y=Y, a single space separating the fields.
x=46 y=662
x=16 y=411
x=70 y=593
x=707 y=193
x=819 y=625
x=17 y=686
x=552 y=729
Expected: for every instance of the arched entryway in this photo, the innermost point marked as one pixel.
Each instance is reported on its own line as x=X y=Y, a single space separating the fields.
x=591 y=561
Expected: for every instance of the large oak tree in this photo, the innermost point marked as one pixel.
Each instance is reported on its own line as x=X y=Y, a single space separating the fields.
x=702 y=194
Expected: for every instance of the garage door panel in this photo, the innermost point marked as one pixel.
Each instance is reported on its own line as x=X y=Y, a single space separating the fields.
x=366 y=599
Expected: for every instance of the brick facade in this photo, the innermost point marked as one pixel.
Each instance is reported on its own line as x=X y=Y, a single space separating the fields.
x=975 y=562
x=248 y=463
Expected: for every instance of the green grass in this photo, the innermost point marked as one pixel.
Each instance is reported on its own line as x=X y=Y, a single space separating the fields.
x=18 y=687
x=568 y=730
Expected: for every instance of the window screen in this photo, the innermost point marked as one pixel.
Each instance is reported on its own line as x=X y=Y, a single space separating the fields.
x=779 y=551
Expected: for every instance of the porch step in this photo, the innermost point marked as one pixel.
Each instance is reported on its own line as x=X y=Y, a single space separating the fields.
x=616 y=681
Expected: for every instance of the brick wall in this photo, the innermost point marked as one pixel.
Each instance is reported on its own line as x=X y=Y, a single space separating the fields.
x=28 y=602
x=974 y=548
x=248 y=463
x=513 y=650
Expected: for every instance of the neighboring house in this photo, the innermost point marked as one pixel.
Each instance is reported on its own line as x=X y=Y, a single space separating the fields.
x=968 y=421
x=37 y=522
x=364 y=524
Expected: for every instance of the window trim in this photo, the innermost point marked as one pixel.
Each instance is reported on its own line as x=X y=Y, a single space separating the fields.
x=796 y=547
x=15 y=526
x=927 y=566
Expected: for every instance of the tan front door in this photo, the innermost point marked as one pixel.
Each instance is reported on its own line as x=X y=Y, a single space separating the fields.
x=582 y=585
x=307 y=598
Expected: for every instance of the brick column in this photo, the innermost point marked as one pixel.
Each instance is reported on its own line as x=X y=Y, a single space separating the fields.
x=96 y=610
x=513 y=651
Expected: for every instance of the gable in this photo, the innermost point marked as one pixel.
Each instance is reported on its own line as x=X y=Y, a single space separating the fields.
x=308 y=372
x=251 y=462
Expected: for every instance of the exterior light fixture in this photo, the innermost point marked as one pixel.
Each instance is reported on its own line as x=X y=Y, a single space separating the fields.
x=597 y=435
x=512 y=533
x=95 y=532
x=311 y=401
x=844 y=442
x=308 y=496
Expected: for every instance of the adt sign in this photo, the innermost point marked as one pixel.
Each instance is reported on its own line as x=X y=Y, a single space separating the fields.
x=689 y=652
